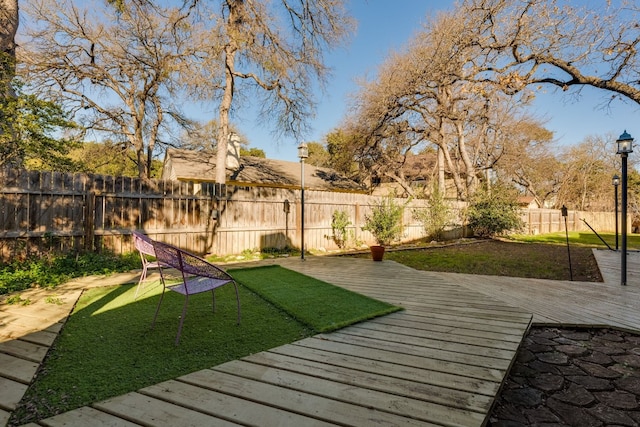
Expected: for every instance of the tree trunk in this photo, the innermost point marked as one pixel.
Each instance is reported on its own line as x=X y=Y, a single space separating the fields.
x=9 y=20
x=234 y=28
x=441 y=177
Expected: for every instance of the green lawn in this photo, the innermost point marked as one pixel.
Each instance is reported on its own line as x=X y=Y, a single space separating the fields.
x=582 y=238
x=107 y=347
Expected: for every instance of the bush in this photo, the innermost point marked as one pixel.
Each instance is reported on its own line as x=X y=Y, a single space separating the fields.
x=494 y=213
x=52 y=271
x=384 y=221
x=339 y=223
x=435 y=217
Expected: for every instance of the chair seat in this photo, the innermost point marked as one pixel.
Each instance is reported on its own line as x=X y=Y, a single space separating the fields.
x=198 y=284
x=153 y=264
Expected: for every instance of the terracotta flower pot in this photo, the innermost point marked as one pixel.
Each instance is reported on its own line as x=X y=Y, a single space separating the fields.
x=377 y=252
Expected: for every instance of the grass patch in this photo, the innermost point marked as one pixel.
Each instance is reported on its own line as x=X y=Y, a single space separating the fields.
x=107 y=347
x=320 y=305
x=576 y=238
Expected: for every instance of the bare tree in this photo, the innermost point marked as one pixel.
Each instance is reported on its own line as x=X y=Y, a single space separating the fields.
x=118 y=70
x=424 y=97
x=204 y=137
x=531 y=160
x=587 y=169
x=566 y=44
x=275 y=48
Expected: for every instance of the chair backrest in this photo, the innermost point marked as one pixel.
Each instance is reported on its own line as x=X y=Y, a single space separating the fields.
x=186 y=262
x=167 y=254
x=143 y=244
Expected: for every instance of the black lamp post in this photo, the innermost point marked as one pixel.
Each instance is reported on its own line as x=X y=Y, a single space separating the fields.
x=565 y=213
x=616 y=182
x=625 y=146
x=303 y=153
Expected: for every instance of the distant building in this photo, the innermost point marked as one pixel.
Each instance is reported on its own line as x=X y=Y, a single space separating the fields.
x=417 y=170
x=528 y=202
x=247 y=171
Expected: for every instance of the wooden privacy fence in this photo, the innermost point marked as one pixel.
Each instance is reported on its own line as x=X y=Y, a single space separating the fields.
x=44 y=211
x=541 y=221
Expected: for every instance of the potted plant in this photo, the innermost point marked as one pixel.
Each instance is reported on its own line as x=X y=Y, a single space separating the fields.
x=384 y=223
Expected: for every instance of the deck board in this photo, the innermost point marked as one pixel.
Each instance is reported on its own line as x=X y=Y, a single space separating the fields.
x=305 y=401
x=192 y=391
x=362 y=395
x=143 y=409
x=562 y=303
x=397 y=381
x=390 y=367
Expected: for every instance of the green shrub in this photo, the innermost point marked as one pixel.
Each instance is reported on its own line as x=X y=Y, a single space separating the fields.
x=493 y=213
x=339 y=223
x=384 y=222
x=52 y=271
x=435 y=217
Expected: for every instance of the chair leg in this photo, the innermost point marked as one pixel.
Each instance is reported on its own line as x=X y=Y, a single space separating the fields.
x=184 y=314
x=143 y=277
x=157 y=309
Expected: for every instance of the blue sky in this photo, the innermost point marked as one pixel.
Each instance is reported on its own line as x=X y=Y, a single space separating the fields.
x=383 y=26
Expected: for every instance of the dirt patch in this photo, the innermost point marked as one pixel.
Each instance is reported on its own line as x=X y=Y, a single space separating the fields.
x=549 y=261
x=504 y=258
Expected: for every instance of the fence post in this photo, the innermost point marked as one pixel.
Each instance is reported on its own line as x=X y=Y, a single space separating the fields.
x=356 y=223
x=89 y=220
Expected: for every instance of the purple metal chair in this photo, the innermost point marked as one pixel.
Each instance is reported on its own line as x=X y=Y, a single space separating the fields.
x=198 y=275
x=144 y=245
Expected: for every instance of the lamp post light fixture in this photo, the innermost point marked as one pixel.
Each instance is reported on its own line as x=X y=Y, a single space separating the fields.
x=625 y=146
x=616 y=182
x=303 y=153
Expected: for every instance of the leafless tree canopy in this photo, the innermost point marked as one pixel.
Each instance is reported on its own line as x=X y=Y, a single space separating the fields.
x=461 y=85
x=118 y=71
x=275 y=49
x=426 y=97
x=566 y=44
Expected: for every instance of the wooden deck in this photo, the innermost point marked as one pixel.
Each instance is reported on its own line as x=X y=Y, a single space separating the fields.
x=567 y=303
x=439 y=362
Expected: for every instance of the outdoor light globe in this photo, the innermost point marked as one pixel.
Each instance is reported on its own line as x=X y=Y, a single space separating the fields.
x=616 y=180
x=625 y=143
x=303 y=151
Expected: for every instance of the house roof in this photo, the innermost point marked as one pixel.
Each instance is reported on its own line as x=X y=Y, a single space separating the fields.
x=419 y=166
x=198 y=166
x=527 y=200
